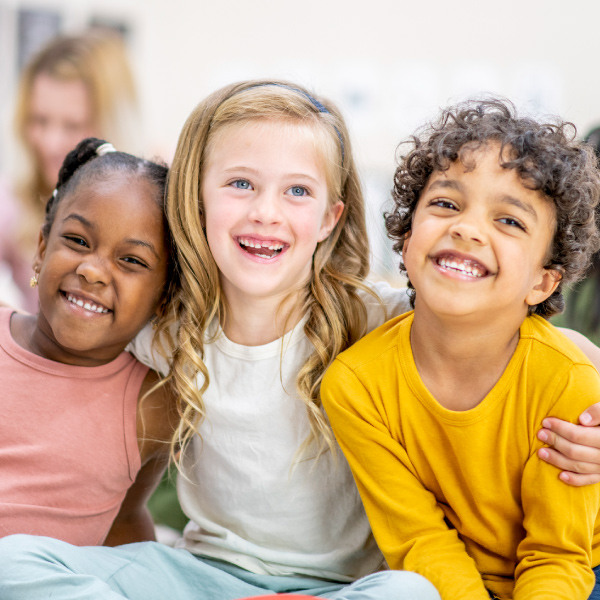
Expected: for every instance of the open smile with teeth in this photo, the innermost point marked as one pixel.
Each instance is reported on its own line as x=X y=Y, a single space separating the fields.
x=261 y=249
x=86 y=304
x=464 y=267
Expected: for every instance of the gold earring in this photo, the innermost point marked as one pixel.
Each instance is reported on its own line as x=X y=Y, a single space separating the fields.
x=34 y=280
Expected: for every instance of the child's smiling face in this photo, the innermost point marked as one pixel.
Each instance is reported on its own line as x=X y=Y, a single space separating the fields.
x=479 y=240
x=102 y=270
x=266 y=206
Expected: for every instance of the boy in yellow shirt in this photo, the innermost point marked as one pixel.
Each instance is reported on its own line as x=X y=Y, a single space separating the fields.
x=437 y=410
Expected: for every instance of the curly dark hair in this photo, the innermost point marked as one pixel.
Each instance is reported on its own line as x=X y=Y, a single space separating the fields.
x=546 y=156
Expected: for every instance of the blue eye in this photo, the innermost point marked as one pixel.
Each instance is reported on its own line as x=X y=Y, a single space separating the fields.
x=241 y=184
x=298 y=190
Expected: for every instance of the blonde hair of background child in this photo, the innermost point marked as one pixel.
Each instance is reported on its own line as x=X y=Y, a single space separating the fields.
x=336 y=314
x=97 y=58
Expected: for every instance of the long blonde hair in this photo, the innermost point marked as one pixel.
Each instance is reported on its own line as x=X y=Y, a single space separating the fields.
x=97 y=58
x=336 y=315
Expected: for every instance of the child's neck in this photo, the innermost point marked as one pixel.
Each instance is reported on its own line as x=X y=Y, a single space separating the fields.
x=25 y=331
x=259 y=321
x=461 y=360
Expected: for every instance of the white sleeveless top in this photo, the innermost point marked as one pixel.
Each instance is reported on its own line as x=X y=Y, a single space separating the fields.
x=250 y=502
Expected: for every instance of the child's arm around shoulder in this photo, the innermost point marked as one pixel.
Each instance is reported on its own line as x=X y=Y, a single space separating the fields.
x=575 y=448
x=156 y=422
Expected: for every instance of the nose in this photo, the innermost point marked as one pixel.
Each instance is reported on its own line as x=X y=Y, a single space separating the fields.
x=94 y=269
x=266 y=207
x=468 y=228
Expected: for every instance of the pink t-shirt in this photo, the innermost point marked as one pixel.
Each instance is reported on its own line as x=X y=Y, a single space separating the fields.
x=68 y=442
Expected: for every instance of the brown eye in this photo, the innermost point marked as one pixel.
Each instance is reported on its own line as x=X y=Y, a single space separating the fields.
x=132 y=260
x=443 y=203
x=75 y=239
x=512 y=222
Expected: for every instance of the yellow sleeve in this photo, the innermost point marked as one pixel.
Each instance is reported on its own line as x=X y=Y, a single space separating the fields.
x=554 y=558
x=408 y=524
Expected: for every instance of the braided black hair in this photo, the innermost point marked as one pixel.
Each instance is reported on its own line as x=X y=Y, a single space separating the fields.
x=84 y=163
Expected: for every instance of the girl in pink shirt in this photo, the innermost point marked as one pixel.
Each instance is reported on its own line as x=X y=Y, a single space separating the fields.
x=86 y=428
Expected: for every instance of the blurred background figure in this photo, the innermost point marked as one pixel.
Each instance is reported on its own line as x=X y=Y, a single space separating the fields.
x=582 y=303
x=74 y=87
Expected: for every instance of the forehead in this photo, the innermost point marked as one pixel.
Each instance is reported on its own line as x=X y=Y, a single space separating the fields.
x=239 y=134
x=290 y=133
x=117 y=195
x=64 y=96
x=263 y=141
x=482 y=165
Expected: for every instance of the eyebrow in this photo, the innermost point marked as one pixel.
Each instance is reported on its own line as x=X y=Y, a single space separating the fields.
x=82 y=220
x=456 y=185
x=144 y=244
x=132 y=241
x=446 y=184
x=252 y=171
x=520 y=204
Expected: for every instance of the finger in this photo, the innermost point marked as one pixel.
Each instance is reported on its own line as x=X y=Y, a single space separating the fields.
x=560 y=461
x=570 y=450
x=591 y=416
x=578 y=480
x=576 y=434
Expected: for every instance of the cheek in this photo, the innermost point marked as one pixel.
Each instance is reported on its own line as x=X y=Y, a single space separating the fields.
x=408 y=264
x=34 y=138
x=309 y=224
x=215 y=223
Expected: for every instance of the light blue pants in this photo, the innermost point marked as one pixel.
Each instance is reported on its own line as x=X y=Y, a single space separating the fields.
x=36 y=568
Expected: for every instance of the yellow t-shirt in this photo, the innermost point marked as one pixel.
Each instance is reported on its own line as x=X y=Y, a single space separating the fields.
x=460 y=496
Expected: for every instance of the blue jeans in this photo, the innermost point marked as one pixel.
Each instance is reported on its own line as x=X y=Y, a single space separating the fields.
x=595 y=595
x=35 y=568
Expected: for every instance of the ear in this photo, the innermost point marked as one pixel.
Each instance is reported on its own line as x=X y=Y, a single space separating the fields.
x=405 y=242
x=548 y=282
x=330 y=220
x=38 y=259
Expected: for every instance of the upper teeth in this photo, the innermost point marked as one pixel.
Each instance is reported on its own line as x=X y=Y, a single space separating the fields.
x=91 y=306
x=269 y=245
x=468 y=268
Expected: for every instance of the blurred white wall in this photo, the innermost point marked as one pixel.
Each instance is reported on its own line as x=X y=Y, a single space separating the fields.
x=390 y=64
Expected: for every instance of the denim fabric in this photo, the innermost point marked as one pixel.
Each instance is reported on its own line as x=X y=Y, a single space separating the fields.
x=595 y=595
